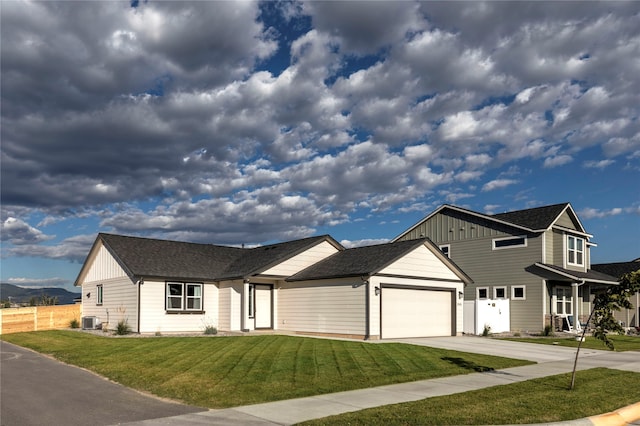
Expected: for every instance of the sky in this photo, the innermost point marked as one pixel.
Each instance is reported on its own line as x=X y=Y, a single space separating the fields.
x=258 y=122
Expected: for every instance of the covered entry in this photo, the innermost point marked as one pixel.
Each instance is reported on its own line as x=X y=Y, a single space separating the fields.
x=416 y=312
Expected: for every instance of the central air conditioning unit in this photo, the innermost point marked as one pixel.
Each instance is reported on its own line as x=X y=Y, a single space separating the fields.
x=89 y=323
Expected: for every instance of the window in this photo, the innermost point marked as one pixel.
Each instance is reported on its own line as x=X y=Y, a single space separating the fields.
x=499 y=292
x=518 y=293
x=184 y=296
x=575 y=250
x=99 y=296
x=564 y=301
x=509 y=242
x=446 y=249
x=482 y=292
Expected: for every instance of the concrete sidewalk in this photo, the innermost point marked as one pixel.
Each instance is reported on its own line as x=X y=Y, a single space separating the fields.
x=301 y=409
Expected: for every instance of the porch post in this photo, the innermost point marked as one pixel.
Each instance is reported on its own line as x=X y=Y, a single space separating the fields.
x=244 y=325
x=576 y=304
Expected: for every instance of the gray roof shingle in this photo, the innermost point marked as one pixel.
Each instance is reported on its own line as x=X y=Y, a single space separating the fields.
x=366 y=261
x=147 y=257
x=535 y=218
x=617 y=269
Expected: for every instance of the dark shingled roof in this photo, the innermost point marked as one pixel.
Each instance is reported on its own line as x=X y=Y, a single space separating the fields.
x=536 y=218
x=368 y=260
x=359 y=261
x=146 y=257
x=617 y=269
x=590 y=275
x=259 y=259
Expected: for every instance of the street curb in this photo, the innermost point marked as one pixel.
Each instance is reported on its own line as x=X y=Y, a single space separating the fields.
x=621 y=417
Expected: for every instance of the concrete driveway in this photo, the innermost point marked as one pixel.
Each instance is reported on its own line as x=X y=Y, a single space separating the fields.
x=36 y=390
x=487 y=346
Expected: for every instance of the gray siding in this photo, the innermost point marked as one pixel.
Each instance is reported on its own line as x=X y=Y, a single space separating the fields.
x=566 y=221
x=557 y=242
x=472 y=250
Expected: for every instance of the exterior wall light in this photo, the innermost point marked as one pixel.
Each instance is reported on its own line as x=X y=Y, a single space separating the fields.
x=377 y=290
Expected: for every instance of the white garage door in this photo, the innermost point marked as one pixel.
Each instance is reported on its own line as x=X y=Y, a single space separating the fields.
x=415 y=313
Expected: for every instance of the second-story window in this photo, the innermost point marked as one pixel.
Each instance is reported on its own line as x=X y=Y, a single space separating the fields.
x=575 y=250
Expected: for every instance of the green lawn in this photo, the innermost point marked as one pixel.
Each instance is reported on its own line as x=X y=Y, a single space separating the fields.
x=535 y=401
x=621 y=343
x=219 y=372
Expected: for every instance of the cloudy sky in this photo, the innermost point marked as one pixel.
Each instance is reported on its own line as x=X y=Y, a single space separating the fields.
x=244 y=122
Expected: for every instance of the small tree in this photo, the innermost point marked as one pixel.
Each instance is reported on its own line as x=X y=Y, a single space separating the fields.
x=614 y=298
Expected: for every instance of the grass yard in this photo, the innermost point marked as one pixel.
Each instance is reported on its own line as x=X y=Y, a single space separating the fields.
x=219 y=372
x=621 y=343
x=535 y=401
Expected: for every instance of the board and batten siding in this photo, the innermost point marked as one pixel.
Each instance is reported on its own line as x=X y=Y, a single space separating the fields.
x=420 y=262
x=103 y=267
x=566 y=221
x=303 y=260
x=449 y=226
x=155 y=319
x=323 y=306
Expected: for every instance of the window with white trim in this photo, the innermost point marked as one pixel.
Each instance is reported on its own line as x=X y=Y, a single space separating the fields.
x=184 y=296
x=509 y=242
x=518 y=292
x=100 y=293
x=252 y=298
x=446 y=249
x=575 y=250
x=564 y=301
x=500 y=293
x=482 y=293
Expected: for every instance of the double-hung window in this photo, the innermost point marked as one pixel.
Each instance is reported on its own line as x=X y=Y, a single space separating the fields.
x=564 y=301
x=575 y=250
x=184 y=296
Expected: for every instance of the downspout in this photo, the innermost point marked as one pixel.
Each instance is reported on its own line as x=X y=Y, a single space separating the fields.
x=138 y=285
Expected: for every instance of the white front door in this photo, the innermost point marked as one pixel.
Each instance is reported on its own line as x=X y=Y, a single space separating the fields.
x=263 y=306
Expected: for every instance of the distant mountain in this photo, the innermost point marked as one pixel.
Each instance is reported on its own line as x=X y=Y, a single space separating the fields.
x=22 y=295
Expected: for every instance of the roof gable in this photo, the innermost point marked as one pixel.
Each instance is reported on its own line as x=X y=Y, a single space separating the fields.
x=537 y=218
x=368 y=260
x=259 y=259
x=147 y=257
x=529 y=220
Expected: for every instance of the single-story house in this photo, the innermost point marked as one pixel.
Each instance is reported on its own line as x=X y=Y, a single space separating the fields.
x=311 y=285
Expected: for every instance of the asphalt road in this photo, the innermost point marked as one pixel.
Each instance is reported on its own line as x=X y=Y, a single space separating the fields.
x=36 y=390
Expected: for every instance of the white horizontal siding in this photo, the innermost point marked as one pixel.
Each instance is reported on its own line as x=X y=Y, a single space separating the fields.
x=420 y=262
x=230 y=306
x=119 y=302
x=154 y=317
x=303 y=260
x=328 y=306
x=103 y=267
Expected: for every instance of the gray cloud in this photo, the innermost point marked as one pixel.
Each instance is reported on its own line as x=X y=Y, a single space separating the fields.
x=167 y=103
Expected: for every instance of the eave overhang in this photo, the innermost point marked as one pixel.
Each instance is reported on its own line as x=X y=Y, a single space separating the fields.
x=555 y=273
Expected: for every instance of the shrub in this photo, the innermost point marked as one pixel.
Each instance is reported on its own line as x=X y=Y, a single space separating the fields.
x=548 y=330
x=210 y=330
x=486 y=331
x=74 y=323
x=123 y=328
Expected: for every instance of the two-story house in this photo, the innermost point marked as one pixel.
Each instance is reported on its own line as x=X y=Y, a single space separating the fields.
x=536 y=259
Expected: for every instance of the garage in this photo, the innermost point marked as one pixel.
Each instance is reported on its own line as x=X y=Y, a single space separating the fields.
x=416 y=312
